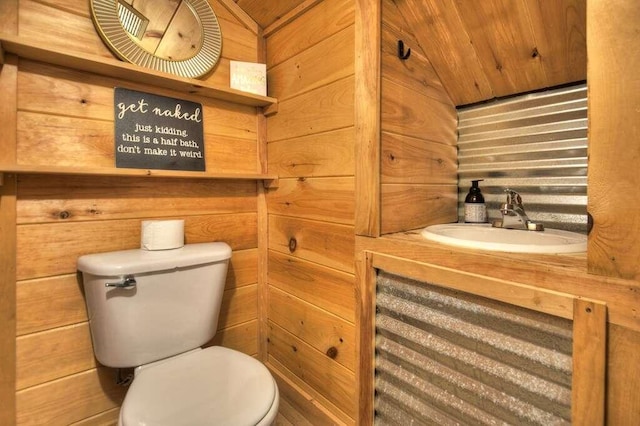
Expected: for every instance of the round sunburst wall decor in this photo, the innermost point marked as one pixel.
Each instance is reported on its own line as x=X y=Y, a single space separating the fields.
x=180 y=37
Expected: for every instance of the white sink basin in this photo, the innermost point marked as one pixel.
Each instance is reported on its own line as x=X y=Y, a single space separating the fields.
x=485 y=237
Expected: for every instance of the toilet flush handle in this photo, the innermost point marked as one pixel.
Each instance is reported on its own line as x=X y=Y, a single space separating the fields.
x=128 y=282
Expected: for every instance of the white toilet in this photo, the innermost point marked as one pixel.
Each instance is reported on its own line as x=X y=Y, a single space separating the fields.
x=153 y=310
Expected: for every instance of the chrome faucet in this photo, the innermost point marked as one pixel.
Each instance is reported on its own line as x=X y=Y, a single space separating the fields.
x=514 y=216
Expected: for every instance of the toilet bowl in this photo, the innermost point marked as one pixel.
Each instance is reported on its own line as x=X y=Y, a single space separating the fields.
x=212 y=386
x=154 y=310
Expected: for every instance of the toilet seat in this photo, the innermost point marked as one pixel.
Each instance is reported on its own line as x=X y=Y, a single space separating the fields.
x=212 y=386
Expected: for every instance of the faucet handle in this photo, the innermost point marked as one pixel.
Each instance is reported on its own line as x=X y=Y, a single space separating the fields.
x=513 y=197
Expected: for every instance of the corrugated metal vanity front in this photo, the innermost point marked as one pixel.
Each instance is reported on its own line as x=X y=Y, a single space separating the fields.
x=442 y=345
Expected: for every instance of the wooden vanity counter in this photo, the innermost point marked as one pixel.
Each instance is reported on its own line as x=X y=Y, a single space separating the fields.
x=565 y=273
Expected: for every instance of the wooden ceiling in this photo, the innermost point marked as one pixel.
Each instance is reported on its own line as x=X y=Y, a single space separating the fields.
x=266 y=12
x=484 y=49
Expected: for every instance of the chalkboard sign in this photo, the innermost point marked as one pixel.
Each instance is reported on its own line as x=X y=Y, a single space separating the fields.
x=156 y=132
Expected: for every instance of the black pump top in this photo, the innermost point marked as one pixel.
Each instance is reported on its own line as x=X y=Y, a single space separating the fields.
x=474 y=195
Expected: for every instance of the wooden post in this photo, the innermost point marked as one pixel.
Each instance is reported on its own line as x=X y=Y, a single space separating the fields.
x=614 y=137
x=589 y=362
x=8 y=191
x=367 y=117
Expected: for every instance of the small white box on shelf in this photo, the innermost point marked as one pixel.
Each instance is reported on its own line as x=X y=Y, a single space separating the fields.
x=249 y=77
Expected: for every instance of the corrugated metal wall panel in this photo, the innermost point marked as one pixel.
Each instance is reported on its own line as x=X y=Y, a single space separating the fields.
x=445 y=357
x=535 y=144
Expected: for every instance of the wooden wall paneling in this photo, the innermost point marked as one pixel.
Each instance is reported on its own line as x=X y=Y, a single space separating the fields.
x=70 y=398
x=238 y=41
x=230 y=155
x=90 y=95
x=310 y=68
x=106 y=418
x=81 y=122
x=367 y=117
x=49 y=355
x=65 y=140
x=327 y=333
x=230 y=9
x=9 y=17
x=38 y=18
x=394 y=22
x=506 y=49
x=65 y=242
x=50 y=302
x=446 y=43
x=7 y=299
x=243 y=269
x=406 y=207
x=320 y=110
x=329 y=199
x=73 y=6
x=326 y=154
x=326 y=18
x=416 y=72
x=282 y=20
x=405 y=159
x=238 y=230
x=8 y=129
x=309 y=407
x=327 y=288
x=242 y=337
x=614 y=108
x=411 y=113
x=58 y=301
x=560 y=30
x=64 y=199
x=418 y=159
x=77 y=94
x=327 y=244
x=623 y=387
x=239 y=305
x=311 y=211
x=330 y=379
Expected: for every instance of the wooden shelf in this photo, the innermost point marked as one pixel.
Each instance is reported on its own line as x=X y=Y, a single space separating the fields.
x=269 y=180
x=125 y=71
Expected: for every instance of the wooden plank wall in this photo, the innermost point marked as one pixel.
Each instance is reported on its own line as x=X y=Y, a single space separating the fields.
x=64 y=118
x=614 y=153
x=614 y=138
x=311 y=299
x=418 y=162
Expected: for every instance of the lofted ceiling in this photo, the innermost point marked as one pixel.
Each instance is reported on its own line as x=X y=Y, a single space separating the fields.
x=484 y=49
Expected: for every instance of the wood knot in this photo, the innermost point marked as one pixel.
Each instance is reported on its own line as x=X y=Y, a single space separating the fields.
x=292 y=244
x=64 y=214
x=332 y=352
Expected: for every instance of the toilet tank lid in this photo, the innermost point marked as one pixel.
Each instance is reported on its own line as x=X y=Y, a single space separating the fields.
x=136 y=261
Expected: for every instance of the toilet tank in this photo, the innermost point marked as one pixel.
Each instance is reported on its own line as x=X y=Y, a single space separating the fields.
x=172 y=308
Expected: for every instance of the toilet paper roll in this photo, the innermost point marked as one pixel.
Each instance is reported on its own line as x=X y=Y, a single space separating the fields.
x=162 y=234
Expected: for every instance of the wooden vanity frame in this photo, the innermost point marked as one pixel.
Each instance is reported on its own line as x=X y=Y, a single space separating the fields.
x=589 y=316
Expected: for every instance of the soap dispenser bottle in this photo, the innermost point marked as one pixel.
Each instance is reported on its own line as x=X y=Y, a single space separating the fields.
x=475 y=211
